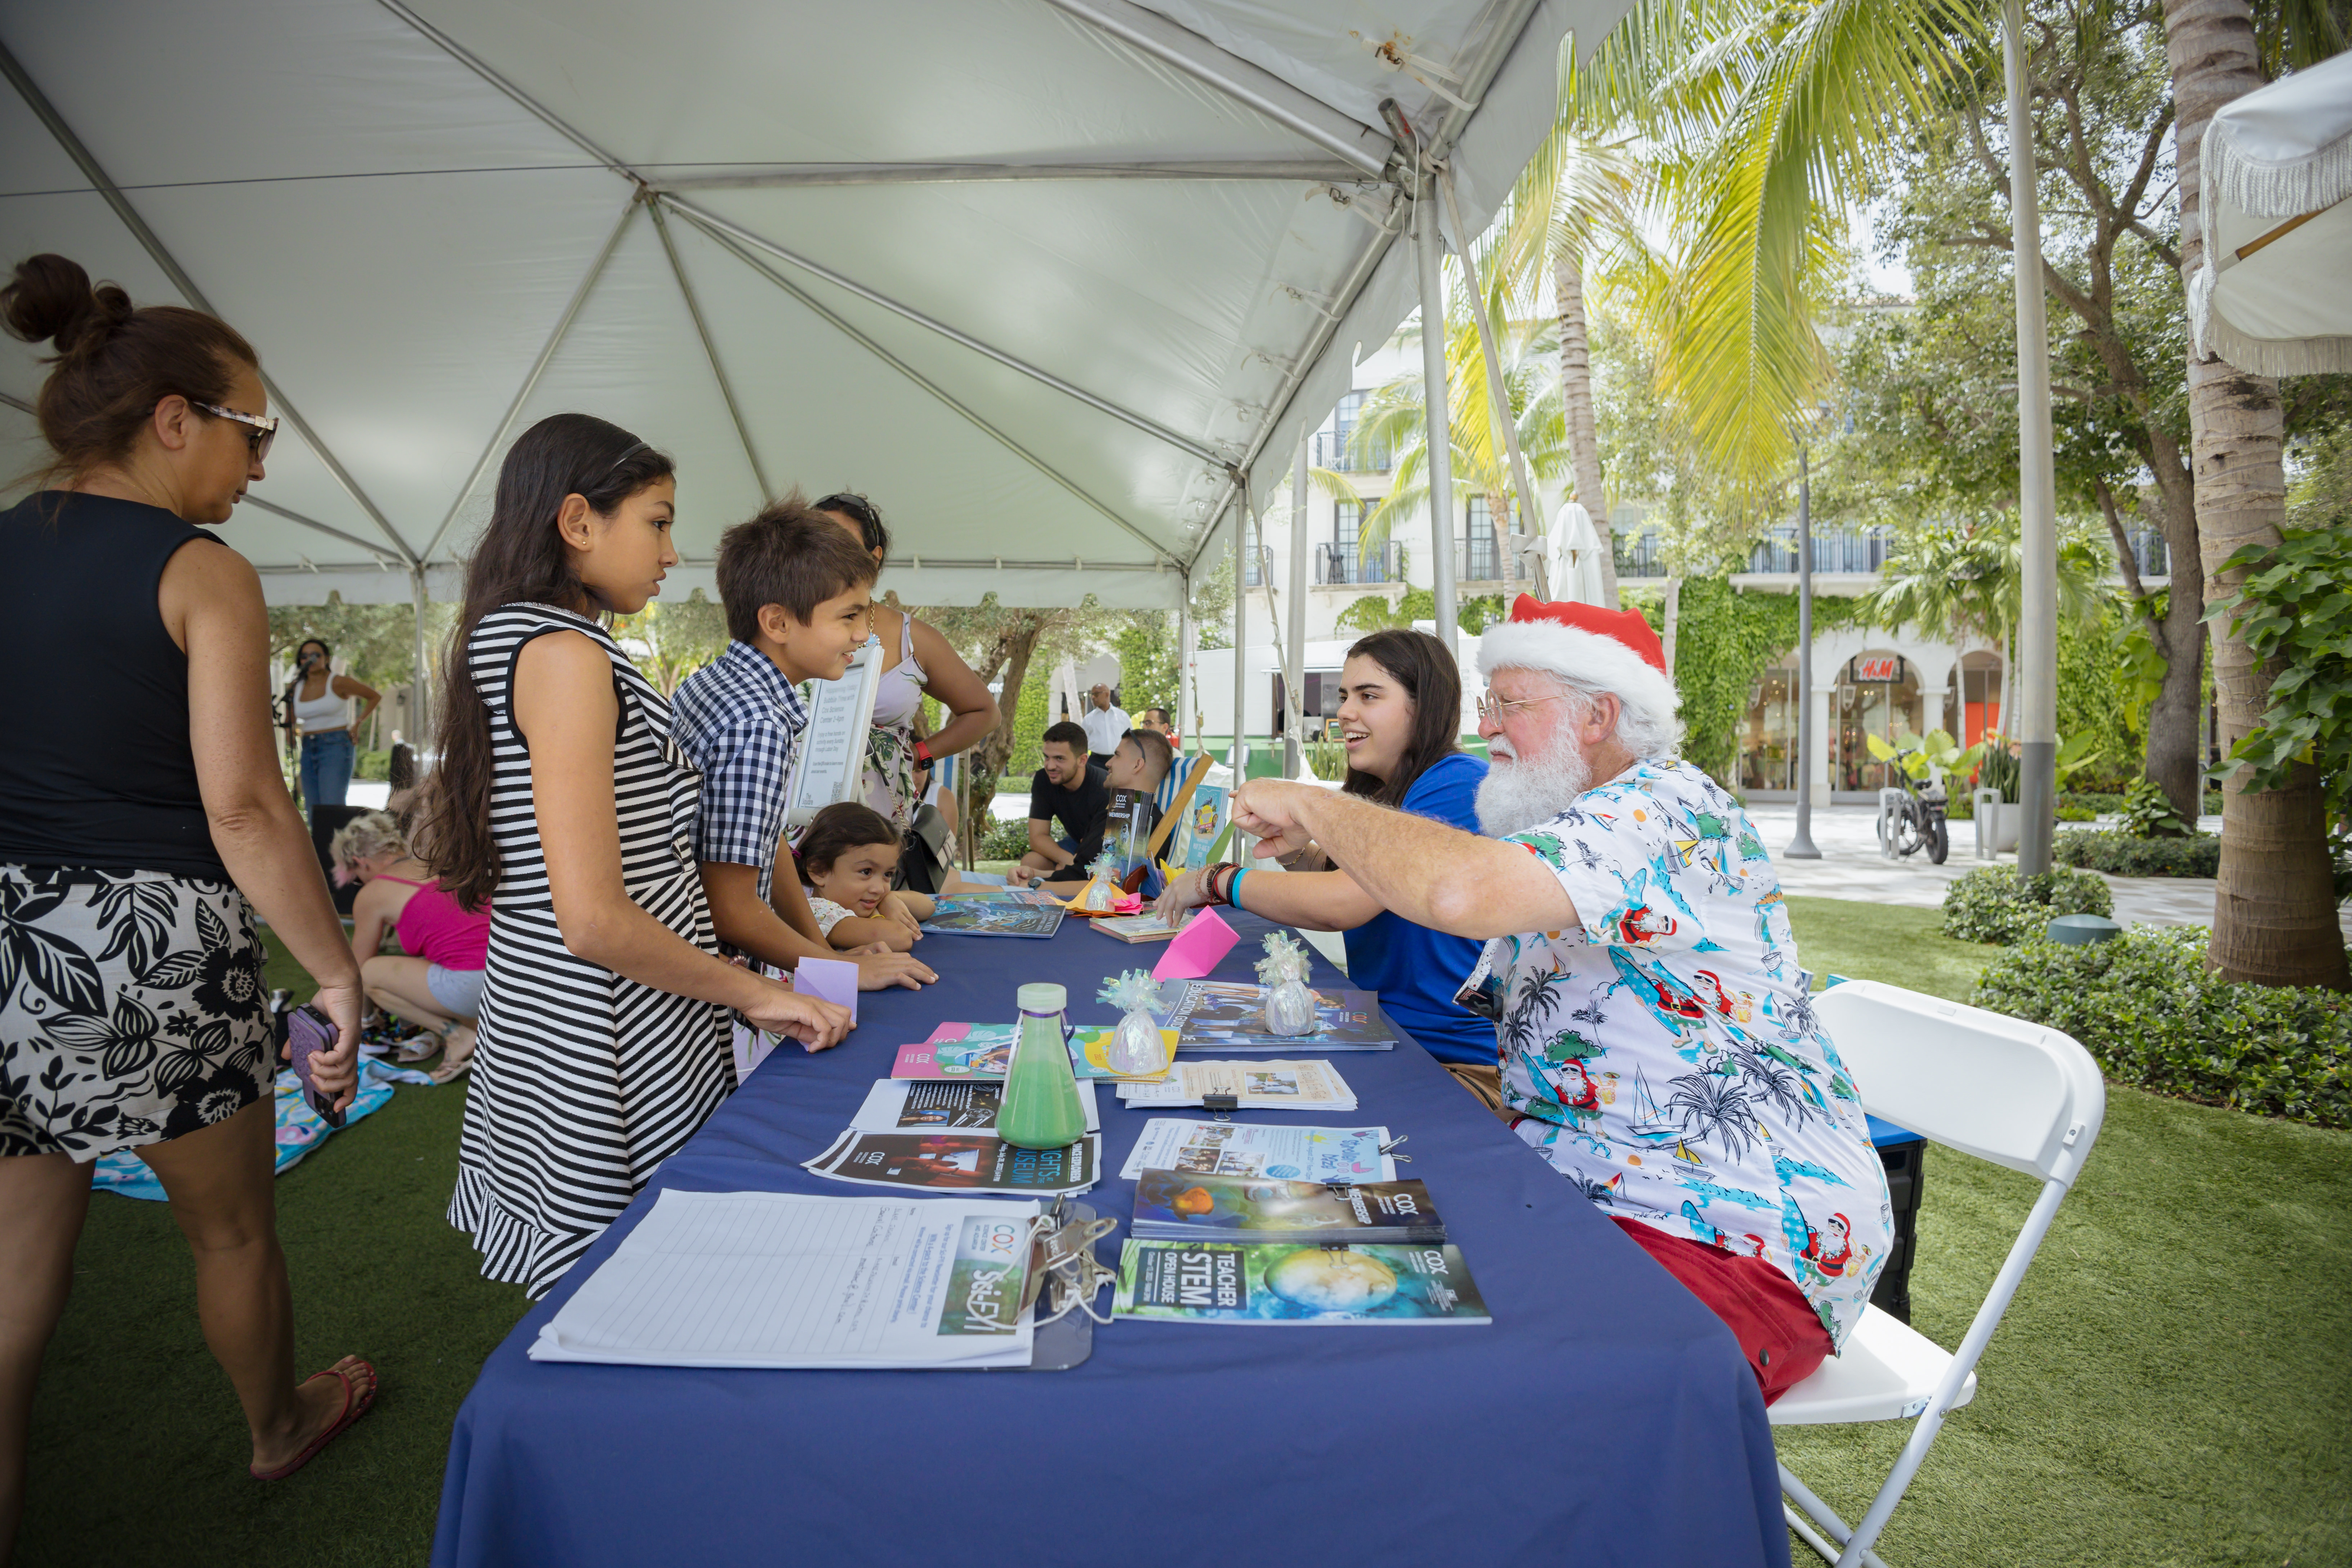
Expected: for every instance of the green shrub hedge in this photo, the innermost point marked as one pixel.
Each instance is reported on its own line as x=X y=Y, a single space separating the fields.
x=1005 y=840
x=2104 y=804
x=2146 y=1008
x=2124 y=856
x=1993 y=903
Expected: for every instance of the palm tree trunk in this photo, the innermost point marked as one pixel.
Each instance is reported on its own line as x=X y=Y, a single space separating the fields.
x=2274 y=909
x=1576 y=394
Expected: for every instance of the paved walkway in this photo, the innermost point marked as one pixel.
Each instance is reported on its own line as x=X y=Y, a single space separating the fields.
x=1850 y=868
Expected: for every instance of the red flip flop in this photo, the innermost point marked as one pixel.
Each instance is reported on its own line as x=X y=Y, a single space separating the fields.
x=353 y=1408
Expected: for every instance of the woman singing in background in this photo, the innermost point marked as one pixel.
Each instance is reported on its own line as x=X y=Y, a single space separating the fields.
x=318 y=708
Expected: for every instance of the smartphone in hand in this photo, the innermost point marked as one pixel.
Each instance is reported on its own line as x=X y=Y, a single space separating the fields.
x=308 y=1032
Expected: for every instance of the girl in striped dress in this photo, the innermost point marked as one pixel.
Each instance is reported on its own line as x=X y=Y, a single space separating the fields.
x=562 y=801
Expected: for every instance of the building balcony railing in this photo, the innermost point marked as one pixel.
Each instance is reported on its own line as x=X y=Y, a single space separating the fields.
x=1340 y=563
x=1331 y=451
x=1637 y=555
x=1484 y=559
x=1844 y=550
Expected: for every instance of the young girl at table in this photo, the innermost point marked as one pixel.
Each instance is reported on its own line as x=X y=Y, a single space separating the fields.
x=845 y=859
x=563 y=802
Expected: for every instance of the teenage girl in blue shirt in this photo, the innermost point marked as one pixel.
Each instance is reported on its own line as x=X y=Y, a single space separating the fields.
x=1400 y=716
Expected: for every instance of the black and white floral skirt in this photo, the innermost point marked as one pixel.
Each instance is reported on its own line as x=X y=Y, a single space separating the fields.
x=131 y=1009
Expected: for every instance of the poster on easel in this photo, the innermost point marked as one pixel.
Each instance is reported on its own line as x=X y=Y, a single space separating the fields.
x=831 y=764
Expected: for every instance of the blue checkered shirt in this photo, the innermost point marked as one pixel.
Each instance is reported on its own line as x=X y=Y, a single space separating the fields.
x=739 y=720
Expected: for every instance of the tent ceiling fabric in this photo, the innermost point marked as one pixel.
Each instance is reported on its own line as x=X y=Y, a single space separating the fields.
x=1042 y=277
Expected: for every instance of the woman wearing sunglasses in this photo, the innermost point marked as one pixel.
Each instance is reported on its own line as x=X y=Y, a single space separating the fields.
x=144 y=823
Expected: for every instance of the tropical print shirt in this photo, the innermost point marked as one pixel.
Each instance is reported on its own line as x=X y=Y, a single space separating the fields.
x=1665 y=1058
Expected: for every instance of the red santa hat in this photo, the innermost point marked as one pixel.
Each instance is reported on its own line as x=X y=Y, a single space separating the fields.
x=1595 y=650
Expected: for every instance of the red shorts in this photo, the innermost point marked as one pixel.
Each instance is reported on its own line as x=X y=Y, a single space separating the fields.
x=1778 y=1330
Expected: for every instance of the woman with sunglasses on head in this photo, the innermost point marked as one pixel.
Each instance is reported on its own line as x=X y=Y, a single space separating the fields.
x=916 y=662
x=144 y=822
x=1400 y=717
x=318 y=708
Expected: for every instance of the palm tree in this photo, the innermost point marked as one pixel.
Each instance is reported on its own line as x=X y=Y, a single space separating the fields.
x=1580 y=191
x=2275 y=911
x=1954 y=581
x=1392 y=417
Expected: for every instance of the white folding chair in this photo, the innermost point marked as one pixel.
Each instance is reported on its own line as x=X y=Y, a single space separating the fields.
x=2005 y=1090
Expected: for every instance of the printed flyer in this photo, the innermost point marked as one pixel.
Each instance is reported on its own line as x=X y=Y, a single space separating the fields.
x=1258 y=1149
x=1189 y=1282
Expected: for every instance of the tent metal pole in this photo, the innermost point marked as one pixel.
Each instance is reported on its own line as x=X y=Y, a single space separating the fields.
x=1283 y=102
x=2037 y=501
x=1295 y=171
x=1185 y=704
x=530 y=381
x=1440 y=448
x=711 y=351
x=709 y=221
x=47 y=112
x=744 y=254
x=1294 y=760
x=1499 y=402
x=1239 y=757
x=1289 y=715
x=482 y=68
x=419 y=680
x=1359 y=277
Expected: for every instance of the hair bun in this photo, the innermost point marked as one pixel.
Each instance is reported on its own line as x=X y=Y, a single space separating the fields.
x=50 y=299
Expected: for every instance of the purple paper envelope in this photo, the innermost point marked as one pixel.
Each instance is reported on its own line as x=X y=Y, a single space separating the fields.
x=1205 y=940
x=835 y=980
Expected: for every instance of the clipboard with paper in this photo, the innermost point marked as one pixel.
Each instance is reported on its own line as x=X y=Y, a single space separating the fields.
x=831 y=762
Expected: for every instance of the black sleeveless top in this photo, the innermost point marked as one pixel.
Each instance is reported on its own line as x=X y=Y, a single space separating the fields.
x=96 y=769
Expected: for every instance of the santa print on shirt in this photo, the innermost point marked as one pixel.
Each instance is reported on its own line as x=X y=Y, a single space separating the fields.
x=1666 y=1055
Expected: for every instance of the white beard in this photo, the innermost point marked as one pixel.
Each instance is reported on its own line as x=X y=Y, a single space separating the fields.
x=1520 y=793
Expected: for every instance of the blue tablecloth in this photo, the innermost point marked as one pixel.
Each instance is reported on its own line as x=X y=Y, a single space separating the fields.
x=1605 y=1417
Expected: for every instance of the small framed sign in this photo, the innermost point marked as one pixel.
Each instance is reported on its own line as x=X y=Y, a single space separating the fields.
x=1875 y=669
x=831 y=765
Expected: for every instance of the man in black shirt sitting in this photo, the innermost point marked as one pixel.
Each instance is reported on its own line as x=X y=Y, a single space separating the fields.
x=1068 y=787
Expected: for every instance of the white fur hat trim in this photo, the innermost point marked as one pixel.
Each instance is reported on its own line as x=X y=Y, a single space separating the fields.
x=1588 y=659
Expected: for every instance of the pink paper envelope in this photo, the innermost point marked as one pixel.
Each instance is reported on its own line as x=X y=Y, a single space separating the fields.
x=1196 y=949
x=833 y=979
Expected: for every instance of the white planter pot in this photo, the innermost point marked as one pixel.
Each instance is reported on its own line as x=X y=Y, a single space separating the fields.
x=1997 y=823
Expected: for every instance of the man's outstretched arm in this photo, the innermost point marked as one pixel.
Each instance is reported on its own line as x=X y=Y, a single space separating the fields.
x=1431 y=874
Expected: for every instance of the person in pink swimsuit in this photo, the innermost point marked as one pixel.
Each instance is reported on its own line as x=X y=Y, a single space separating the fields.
x=436 y=980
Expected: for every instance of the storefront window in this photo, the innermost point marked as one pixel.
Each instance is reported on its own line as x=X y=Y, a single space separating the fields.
x=1979 y=682
x=1878 y=694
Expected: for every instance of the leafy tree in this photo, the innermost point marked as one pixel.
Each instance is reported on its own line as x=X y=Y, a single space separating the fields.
x=669 y=641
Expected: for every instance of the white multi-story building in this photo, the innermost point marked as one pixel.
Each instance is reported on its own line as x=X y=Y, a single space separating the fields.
x=1866 y=681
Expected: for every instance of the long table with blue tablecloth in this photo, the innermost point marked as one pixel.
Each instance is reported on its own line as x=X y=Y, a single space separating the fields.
x=1605 y=1416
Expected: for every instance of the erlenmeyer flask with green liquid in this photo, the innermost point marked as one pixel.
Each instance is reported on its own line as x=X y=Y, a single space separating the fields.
x=1041 y=1107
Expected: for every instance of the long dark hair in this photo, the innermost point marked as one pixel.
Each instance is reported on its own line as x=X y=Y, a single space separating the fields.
x=520 y=559
x=1419 y=663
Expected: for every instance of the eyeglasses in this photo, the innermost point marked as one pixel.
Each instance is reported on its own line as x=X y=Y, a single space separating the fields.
x=260 y=432
x=1491 y=707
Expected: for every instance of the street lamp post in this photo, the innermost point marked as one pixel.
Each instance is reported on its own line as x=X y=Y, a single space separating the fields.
x=1802 y=847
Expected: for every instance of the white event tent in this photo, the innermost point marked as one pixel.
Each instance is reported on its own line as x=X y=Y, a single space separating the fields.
x=1052 y=280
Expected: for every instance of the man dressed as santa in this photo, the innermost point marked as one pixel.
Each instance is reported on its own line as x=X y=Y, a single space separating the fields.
x=1623 y=895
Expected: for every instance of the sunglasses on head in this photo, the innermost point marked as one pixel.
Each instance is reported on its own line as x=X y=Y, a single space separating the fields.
x=258 y=433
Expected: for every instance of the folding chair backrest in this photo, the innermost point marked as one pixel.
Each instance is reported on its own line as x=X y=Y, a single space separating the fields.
x=2005 y=1090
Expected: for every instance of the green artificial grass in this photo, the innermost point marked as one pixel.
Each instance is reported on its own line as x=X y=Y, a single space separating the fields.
x=2172 y=1386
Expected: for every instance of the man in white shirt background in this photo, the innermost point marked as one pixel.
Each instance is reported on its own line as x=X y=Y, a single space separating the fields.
x=1105 y=723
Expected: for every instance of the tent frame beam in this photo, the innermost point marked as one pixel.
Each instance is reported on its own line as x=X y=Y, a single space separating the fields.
x=1475 y=85
x=711 y=351
x=43 y=110
x=530 y=381
x=709 y=221
x=745 y=254
x=789 y=176
x=1364 y=147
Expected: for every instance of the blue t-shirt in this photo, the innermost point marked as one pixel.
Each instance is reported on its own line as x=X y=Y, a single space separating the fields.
x=1415 y=970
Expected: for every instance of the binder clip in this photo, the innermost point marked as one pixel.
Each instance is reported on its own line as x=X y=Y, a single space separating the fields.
x=1063 y=1268
x=1221 y=1106
x=1389 y=1149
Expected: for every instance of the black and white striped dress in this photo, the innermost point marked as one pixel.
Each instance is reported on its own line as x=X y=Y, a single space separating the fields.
x=583 y=1083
